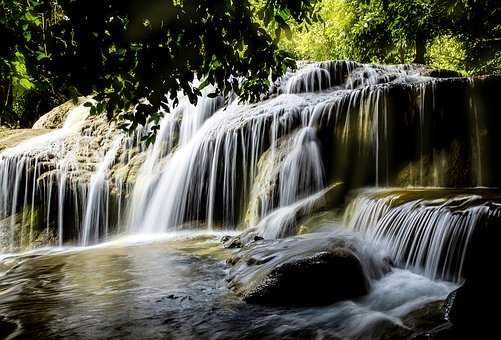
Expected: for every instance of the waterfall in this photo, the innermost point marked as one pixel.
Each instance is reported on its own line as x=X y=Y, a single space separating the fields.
x=301 y=180
x=302 y=171
x=208 y=166
x=57 y=182
x=225 y=164
x=384 y=174
x=425 y=230
x=96 y=217
x=217 y=167
x=25 y=160
x=476 y=122
x=311 y=78
x=176 y=128
x=282 y=222
x=193 y=116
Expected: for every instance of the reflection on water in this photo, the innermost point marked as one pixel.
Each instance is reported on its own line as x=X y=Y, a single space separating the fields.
x=168 y=289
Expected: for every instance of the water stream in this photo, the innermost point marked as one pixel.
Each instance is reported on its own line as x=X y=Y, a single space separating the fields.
x=104 y=236
x=168 y=288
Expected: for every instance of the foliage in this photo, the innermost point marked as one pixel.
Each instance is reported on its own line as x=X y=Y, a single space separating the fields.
x=140 y=54
x=324 y=39
x=478 y=25
x=131 y=51
x=461 y=35
x=26 y=83
x=398 y=26
x=447 y=52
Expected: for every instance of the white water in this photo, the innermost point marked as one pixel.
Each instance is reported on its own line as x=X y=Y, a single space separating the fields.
x=302 y=171
x=24 y=160
x=206 y=180
x=430 y=236
x=98 y=200
x=191 y=118
x=204 y=164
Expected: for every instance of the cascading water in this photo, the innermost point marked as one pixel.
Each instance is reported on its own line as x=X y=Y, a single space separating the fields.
x=96 y=219
x=176 y=128
x=427 y=230
x=66 y=187
x=241 y=165
x=301 y=180
x=201 y=176
x=302 y=170
x=275 y=168
x=25 y=162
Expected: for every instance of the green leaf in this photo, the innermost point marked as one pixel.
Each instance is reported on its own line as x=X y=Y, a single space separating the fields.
x=27 y=35
x=41 y=56
x=26 y=84
x=203 y=84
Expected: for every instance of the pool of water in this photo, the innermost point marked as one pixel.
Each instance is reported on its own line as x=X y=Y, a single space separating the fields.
x=175 y=288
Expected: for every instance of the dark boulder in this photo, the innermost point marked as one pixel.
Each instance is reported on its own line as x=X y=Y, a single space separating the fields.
x=320 y=279
x=225 y=238
x=314 y=269
x=471 y=310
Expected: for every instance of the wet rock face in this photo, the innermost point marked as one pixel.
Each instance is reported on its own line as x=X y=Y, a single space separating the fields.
x=471 y=307
x=448 y=167
x=264 y=193
x=25 y=229
x=10 y=138
x=321 y=279
x=54 y=119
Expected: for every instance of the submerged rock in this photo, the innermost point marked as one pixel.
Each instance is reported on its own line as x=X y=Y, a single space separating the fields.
x=416 y=324
x=317 y=269
x=232 y=242
x=323 y=278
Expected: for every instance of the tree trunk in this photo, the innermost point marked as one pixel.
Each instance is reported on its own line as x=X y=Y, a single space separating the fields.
x=401 y=53
x=420 y=49
x=5 y=94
